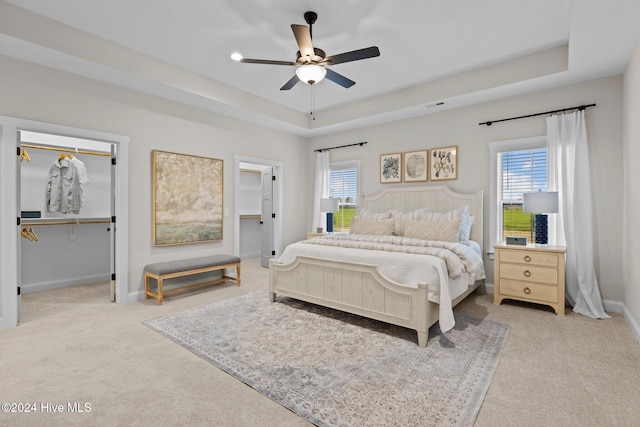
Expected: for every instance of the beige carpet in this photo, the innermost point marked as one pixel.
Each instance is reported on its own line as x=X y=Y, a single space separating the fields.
x=74 y=346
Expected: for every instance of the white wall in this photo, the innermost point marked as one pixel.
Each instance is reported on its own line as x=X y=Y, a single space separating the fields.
x=460 y=127
x=631 y=155
x=38 y=93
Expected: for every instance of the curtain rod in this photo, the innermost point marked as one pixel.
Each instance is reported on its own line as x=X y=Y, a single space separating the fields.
x=579 y=107
x=320 y=150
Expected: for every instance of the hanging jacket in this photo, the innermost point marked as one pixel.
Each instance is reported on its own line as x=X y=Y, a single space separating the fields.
x=83 y=178
x=63 y=188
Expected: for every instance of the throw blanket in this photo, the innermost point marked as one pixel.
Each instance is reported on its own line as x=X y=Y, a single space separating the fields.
x=458 y=257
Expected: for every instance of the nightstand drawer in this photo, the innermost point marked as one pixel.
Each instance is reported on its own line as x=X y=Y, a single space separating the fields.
x=529 y=273
x=523 y=291
x=529 y=257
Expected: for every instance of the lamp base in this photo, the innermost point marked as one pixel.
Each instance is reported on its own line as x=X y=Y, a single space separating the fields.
x=541 y=229
x=329 y=222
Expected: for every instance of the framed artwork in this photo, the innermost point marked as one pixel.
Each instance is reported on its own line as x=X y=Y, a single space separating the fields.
x=391 y=168
x=187 y=198
x=415 y=165
x=444 y=163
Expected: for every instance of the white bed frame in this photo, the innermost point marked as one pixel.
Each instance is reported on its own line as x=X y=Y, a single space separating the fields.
x=359 y=288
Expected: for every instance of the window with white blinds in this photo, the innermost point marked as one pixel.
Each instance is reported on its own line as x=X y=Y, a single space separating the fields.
x=344 y=186
x=519 y=172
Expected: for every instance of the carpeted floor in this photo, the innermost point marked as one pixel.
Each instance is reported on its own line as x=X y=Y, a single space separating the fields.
x=337 y=369
x=75 y=346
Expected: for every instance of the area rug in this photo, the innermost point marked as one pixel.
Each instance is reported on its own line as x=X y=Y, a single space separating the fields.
x=337 y=369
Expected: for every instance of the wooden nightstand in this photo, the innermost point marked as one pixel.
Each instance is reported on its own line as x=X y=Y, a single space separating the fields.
x=530 y=273
x=310 y=235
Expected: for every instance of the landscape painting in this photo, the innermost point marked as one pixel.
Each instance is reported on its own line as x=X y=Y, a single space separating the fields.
x=187 y=198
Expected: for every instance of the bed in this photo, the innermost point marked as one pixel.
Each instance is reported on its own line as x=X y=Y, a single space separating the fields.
x=361 y=282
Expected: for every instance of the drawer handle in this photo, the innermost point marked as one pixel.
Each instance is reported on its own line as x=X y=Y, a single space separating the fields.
x=527 y=291
x=527 y=258
x=527 y=273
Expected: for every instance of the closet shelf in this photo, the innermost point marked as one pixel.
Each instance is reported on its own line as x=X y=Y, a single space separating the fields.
x=65 y=221
x=250 y=216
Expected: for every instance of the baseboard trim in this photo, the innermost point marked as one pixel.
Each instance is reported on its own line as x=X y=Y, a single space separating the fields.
x=611 y=306
x=65 y=283
x=633 y=324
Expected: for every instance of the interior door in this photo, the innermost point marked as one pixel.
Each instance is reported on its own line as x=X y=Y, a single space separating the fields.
x=112 y=227
x=19 y=159
x=267 y=246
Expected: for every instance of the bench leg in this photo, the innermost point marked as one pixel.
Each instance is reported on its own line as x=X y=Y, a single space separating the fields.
x=238 y=274
x=146 y=286
x=160 y=291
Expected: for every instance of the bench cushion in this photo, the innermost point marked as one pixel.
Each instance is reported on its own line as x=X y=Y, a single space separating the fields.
x=167 y=267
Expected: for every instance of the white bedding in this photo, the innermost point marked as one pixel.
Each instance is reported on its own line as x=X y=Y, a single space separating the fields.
x=407 y=269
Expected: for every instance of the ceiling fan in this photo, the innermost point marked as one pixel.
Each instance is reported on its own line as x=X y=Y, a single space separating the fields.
x=312 y=62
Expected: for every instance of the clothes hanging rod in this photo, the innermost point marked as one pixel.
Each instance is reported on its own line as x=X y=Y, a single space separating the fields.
x=66 y=150
x=65 y=222
x=320 y=150
x=579 y=107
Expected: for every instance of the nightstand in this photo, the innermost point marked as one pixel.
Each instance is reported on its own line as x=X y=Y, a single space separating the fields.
x=310 y=235
x=530 y=273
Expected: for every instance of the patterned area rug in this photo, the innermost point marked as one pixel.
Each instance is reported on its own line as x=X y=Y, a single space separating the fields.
x=337 y=369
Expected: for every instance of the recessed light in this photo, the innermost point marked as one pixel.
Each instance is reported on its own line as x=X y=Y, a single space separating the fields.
x=236 y=56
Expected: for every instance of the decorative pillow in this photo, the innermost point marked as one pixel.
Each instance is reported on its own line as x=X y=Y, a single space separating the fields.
x=440 y=216
x=462 y=213
x=367 y=214
x=465 y=228
x=417 y=214
x=383 y=227
x=443 y=231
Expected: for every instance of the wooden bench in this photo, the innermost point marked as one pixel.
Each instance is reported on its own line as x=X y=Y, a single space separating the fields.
x=187 y=267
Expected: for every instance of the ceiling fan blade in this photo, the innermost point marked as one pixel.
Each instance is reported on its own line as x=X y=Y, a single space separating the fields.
x=354 y=55
x=303 y=37
x=291 y=83
x=339 y=79
x=266 y=61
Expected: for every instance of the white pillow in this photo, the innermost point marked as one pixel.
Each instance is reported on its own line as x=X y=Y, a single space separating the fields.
x=465 y=228
x=367 y=214
x=440 y=216
x=462 y=213
x=442 y=231
x=417 y=214
x=383 y=227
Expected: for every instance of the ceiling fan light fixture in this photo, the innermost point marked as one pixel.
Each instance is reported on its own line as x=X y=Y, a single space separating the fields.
x=311 y=74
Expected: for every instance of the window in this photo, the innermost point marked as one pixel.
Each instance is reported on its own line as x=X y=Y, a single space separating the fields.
x=517 y=167
x=519 y=172
x=345 y=184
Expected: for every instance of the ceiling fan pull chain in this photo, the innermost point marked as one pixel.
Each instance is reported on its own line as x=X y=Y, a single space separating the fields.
x=312 y=101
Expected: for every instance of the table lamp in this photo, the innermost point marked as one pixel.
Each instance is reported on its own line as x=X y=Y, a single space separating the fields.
x=329 y=206
x=541 y=203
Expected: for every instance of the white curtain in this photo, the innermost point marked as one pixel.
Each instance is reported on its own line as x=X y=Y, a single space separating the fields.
x=568 y=156
x=322 y=189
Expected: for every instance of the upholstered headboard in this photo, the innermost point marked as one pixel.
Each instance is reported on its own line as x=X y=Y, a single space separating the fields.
x=436 y=198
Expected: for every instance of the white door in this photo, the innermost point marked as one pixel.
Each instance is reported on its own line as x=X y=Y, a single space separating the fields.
x=21 y=157
x=267 y=247
x=112 y=227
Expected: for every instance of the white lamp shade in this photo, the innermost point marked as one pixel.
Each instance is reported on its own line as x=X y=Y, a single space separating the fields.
x=540 y=202
x=311 y=74
x=329 y=205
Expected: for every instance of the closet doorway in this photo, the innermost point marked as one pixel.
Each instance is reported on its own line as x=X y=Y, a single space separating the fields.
x=69 y=240
x=258 y=207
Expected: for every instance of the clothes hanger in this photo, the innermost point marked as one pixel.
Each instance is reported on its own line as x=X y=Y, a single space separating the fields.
x=62 y=156
x=33 y=234
x=24 y=155
x=25 y=233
